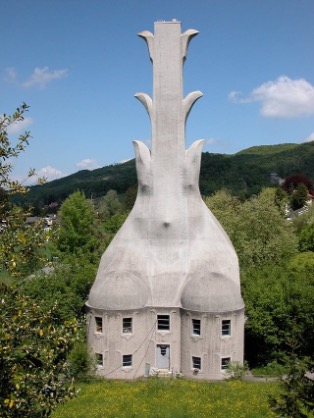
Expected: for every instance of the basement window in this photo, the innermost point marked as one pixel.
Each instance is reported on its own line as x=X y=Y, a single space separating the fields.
x=226 y=327
x=225 y=363
x=127 y=360
x=99 y=358
x=98 y=323
x=163 y=322
x=196 y=362
x=127 y=325
x=196 y=326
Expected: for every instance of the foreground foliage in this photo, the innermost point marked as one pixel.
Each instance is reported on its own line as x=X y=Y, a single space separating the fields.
x=176 y=398
x=34 y=344
x=22 y=247
x=34 y=374
x=297 y=397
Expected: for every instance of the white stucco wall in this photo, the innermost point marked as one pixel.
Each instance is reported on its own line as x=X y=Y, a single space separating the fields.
x=142 y=343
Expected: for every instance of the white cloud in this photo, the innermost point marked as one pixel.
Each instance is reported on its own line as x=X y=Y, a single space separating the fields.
x=210 y=141
x=233 y=96
x=42 y=76
x=124 y=161
x=11 y=74
x=282 y=98
x=87 y=164
x=19 y=126
x=310 y=138
x=50 y=173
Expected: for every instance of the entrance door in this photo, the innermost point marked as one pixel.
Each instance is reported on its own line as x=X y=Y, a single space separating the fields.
x=163 y=356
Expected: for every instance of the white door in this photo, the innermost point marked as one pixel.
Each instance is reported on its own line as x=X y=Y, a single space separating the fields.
x=163 y=356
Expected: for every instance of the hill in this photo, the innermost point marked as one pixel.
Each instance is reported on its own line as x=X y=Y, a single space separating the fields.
x=244 y=173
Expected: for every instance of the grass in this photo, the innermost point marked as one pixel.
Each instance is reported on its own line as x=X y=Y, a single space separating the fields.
x=271 y=370
x=170 y=398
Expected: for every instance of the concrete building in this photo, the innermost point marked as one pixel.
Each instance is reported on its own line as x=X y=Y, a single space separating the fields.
x=167 y=292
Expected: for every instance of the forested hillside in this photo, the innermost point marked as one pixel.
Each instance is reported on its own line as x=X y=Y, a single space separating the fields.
x=243 y=174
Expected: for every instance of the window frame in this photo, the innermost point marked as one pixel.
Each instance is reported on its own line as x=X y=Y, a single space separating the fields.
x=196 y=329
x=166 y=325
x=127 y=328
x=226 y=327
x=99 y=358
x=224 y=363
x=99 y=327
x=197 y=362
x=127 y=360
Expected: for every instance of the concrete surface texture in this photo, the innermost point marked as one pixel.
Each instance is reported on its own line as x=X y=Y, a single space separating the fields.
x=171 y=252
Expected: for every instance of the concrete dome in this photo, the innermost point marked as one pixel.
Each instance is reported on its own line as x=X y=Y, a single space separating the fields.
x=215 y=293
x=119 y=291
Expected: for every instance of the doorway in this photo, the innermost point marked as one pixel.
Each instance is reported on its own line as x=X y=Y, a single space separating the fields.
x=163 y=356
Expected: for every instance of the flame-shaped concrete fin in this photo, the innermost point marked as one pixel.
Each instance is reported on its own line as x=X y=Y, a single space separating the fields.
x=143 y=165
x=185 y=40
x=147 y=102
x=190 y=100
x=149 y=39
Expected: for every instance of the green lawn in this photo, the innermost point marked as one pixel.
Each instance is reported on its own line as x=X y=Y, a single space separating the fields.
x=175 y=398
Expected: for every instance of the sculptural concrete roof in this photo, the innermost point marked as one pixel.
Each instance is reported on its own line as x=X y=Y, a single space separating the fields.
x=171 y=250
x=211 y=294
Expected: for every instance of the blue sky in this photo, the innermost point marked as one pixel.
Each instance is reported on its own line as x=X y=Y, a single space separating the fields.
x=78 y=64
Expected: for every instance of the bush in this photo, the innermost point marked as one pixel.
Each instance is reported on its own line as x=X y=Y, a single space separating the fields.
x=35 y=375
x=236 y=370
x=80 y=361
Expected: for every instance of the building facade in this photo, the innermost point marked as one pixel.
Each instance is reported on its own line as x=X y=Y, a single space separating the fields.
x=167 y=292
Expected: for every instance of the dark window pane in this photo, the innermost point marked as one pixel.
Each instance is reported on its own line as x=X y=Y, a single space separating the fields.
x=163 y=322
x=127 y=360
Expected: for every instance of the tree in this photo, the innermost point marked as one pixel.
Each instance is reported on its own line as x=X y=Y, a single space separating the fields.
x=22 y=248
x=303 y=264
x=298 y=187
x=66 y=286
x=34 y=376
x=299 y=197
x=257 y=228
x=277 y=299
x=33 y=348
x=275 y=293
x=291 y=182
x=78 y=232
x=130 y=197
x=109 y=205
x=9 y=151
x=306 y=240
x=296 y=399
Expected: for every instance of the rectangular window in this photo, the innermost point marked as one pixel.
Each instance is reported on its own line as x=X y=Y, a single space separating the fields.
x=196 y=326
x=127 y=360
x=163 y=322
x=224 y=363
x=226 y=327
x=127 y=325
x=196 y=363
x=99 y=359
x=98 y=322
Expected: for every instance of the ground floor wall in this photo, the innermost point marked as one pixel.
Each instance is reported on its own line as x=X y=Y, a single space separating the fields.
x=129 y=344
x=210 y=341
